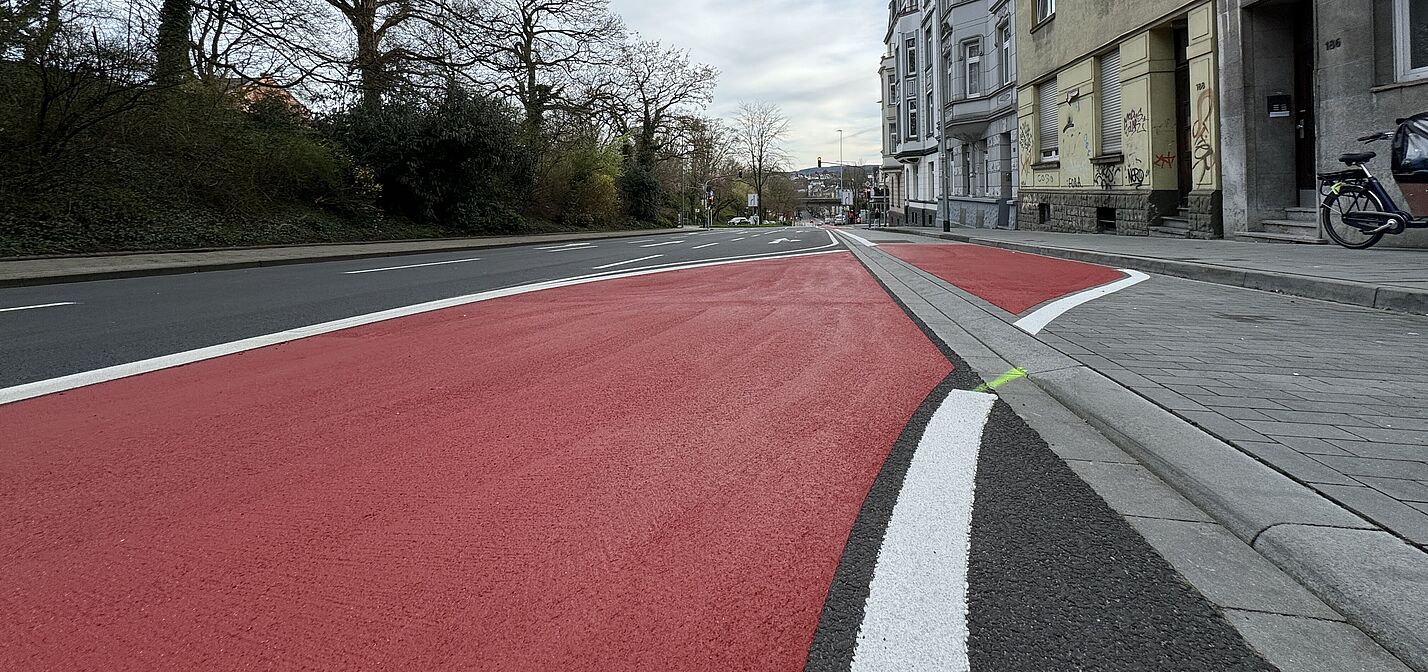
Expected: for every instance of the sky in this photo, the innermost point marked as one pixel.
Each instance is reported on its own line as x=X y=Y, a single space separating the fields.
x=817 y=59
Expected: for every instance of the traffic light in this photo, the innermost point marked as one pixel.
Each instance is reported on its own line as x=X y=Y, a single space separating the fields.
x=820 y=162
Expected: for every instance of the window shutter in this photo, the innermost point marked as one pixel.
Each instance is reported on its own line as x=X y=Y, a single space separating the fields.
x=1110 y=81
x=1050 y=118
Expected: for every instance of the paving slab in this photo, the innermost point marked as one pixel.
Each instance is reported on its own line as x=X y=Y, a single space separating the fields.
x=1369 y=576
x=1299 y=644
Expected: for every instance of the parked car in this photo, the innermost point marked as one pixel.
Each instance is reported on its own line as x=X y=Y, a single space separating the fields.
x=739 y=221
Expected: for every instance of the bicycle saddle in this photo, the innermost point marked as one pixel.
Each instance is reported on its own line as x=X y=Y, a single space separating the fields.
x=1356 y=158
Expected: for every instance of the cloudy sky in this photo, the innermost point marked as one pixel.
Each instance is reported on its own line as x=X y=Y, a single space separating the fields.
x=818 y=59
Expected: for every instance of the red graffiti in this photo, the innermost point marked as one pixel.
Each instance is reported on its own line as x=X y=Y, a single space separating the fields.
x=1164 y=160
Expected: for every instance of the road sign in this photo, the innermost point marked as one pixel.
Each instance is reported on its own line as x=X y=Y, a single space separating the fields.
x=847 y=197
x=753 y=200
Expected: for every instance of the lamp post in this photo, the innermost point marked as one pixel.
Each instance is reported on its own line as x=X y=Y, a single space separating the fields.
x=842 y=172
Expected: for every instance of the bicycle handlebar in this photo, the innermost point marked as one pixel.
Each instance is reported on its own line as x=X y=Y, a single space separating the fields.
x=1375 y=137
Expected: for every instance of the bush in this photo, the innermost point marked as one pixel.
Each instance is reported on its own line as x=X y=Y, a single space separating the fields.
x=456 y=164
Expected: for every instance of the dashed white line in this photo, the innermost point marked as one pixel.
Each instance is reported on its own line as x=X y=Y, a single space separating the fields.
x=398 y=268
x=565 y=247
x=575 y=249
x=696 y=247
x=631 y=261
x=915 y=617
x=672 y=242
x=42 y=305
x=739 y=238
x=1043 y=316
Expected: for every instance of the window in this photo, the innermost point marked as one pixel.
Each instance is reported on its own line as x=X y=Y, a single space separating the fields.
x=1411 y=44
x=932 y=179
x=931 y=116
x=892 y=89
x=911 y=57
x=966 y=169
x=912 y=119
x=972 y=56
x=1006 y=70
x=892 y=136
x=1049 y=116
x=1108 y=73
x=930 y=52
x=1045 y=9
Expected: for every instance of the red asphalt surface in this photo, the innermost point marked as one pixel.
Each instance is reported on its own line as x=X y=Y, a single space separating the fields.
x=1013 y=281
x=649 y=473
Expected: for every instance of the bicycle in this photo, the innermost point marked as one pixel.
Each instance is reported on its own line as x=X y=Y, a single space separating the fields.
x=1356 y=211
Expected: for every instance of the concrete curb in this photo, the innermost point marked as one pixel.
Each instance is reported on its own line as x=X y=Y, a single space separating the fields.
x=178 y=265
x=1401 y=299
x=1374 y=579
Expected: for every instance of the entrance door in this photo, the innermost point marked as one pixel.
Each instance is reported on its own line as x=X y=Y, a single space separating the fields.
x=1183 y=169
x=1304 y=145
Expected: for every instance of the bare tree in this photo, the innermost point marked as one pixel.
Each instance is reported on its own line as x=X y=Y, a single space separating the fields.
x=656 y=87
x=536 y=51
x=760 y=129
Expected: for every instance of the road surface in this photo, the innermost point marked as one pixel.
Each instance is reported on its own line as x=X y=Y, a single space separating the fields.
x=722 y=450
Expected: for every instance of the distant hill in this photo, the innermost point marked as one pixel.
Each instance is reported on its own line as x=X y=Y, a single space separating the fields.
x=830 y=171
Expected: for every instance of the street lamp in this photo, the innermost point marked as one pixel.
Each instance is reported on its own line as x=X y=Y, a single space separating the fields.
x=842 y=171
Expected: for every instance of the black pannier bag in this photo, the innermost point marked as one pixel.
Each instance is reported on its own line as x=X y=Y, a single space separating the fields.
x=1410 y=162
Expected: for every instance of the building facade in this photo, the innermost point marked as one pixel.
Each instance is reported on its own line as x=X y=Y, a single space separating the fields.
x=1301 y=79
x=912 y=86
x=890 y=172
x=978 y=142
x=1119 y=125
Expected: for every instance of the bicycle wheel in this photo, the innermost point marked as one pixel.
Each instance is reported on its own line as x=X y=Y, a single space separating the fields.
x=1349 y=198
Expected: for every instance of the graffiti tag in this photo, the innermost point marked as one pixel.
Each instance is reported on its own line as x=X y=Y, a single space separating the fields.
x=1135 y=122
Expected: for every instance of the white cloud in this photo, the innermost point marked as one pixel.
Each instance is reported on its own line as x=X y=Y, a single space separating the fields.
x=817 y=59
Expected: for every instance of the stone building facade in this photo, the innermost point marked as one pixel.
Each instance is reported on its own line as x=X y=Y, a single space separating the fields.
x=1301 y=79
x=978 y=143
x=915 y=92
x=1118 y=114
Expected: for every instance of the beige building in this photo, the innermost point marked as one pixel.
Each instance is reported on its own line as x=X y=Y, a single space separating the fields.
x=1118 y=117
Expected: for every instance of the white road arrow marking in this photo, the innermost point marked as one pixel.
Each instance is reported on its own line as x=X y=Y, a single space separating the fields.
x=783 y=240
x=916 y=614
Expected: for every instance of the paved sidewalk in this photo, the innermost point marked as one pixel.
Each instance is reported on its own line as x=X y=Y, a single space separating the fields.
x=39 y=271
x=1319 y=455
x=1388 y=278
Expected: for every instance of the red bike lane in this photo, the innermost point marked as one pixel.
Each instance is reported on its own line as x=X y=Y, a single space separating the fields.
x=656 y=472
x=1013 y=281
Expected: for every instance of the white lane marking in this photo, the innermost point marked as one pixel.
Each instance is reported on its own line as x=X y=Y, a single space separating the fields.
x=864 y=241
x=915 y=617
x=42 y=305
x=86 y=378
x=398 y=268
x=696 y=247
x=739 y=238
x=565 y=247
x=672 y=242
x=1038 y=319
x=784 y=240
x=631 y=261
x=575 y=249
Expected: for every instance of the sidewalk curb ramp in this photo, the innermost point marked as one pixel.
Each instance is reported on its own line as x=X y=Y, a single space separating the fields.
x=1378 y=582
x=27 y=272
x=1384 y=297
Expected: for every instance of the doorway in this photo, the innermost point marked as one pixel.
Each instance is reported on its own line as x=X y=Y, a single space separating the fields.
x=1184 y=175
x=1304 y=141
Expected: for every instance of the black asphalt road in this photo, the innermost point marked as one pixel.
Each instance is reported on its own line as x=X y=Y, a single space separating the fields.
x=131 y=319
